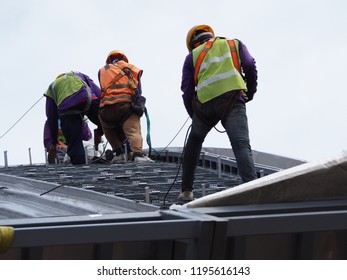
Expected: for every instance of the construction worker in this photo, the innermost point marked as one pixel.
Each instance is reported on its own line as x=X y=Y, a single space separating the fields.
x=69 y=98
x=120 y=84
x=219 y=76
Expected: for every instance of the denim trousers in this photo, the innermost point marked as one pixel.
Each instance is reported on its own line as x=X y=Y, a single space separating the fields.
x=72 y=126
x=235 y=123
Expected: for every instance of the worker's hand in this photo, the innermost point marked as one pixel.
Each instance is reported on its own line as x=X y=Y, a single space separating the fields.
x=244 y=96
x=52 y=154
x=97 y=138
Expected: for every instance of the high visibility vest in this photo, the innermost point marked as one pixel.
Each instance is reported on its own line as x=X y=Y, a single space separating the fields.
x=217 y=71
x=115 y=85
x=64 y=86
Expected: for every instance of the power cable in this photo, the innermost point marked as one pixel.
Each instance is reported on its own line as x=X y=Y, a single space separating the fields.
x=180 y=164
x=178 y=169
x=21 y=117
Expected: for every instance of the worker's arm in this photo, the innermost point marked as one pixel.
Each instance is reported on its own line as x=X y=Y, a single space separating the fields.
x=187 y=84
x=96 y=92
x=52 y=119
x=249 y=69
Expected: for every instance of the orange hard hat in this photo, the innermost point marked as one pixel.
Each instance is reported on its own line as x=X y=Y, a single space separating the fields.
x=190 y=36
x=113 y=54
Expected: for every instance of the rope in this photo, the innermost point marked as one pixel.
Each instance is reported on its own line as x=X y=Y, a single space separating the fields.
x=21 y=117
x=148 y=137
x=179 y=167
x=177 y=133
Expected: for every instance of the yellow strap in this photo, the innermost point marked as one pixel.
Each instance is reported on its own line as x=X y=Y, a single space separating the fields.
x=6 y=237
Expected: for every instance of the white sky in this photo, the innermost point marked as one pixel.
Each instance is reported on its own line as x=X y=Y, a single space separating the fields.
x=299 y=110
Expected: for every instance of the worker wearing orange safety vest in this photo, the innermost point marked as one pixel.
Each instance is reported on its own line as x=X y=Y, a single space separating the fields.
x=115 y=85
x=219 y=76
x=120 y=84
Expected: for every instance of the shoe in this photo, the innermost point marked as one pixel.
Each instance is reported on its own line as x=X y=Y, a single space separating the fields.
x=186 y=196
x=119 y=159
x=142 y=159
x=130 y=156
x=109 y=155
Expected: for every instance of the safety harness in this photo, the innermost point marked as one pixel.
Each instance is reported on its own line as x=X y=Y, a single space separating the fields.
x=205 y=50
x=124 y=72
x=233 y=97
x=137 y=101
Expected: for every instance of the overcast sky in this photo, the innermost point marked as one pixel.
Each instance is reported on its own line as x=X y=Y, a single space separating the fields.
x=299 y=110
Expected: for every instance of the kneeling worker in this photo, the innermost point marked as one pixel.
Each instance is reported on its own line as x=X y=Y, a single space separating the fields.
x=120 y=83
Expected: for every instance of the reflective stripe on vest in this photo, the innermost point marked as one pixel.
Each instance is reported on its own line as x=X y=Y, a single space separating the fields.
x=217 y=72
x=115 y=85
x=113 y=99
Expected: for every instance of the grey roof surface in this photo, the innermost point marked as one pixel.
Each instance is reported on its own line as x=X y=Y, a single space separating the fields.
x=98 y=210
x=26 y=197
x=102 y=187
x=123 y=180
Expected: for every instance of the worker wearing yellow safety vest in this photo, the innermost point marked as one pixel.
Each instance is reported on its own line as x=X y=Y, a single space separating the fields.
x=70 y=98
x=219 y=76
x=121 y=106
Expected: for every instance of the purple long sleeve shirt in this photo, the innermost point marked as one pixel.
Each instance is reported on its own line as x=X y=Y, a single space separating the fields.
x=52 y=111
x=249 y=70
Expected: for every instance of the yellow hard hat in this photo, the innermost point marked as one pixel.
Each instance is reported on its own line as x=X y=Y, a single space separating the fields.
x=114 y=54
x=60 y=75
x=193 y=30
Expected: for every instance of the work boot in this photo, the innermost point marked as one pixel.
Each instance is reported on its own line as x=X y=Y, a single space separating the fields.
x=141 y=158
x=119 y=159
x=130 y=156
x=186 y=196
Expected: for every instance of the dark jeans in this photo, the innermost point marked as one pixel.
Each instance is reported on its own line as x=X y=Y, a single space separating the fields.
x=236 y=125
x=72 y=130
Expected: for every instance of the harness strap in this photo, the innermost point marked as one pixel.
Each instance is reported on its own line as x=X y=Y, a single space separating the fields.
x=116 y=78
x=201 y=58
x=234 y=55
x=233 y=97
x=212 y=122
x=113 y=81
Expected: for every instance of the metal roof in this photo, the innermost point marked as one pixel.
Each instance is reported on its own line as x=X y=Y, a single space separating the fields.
x=60 y=190
x=109 y=211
